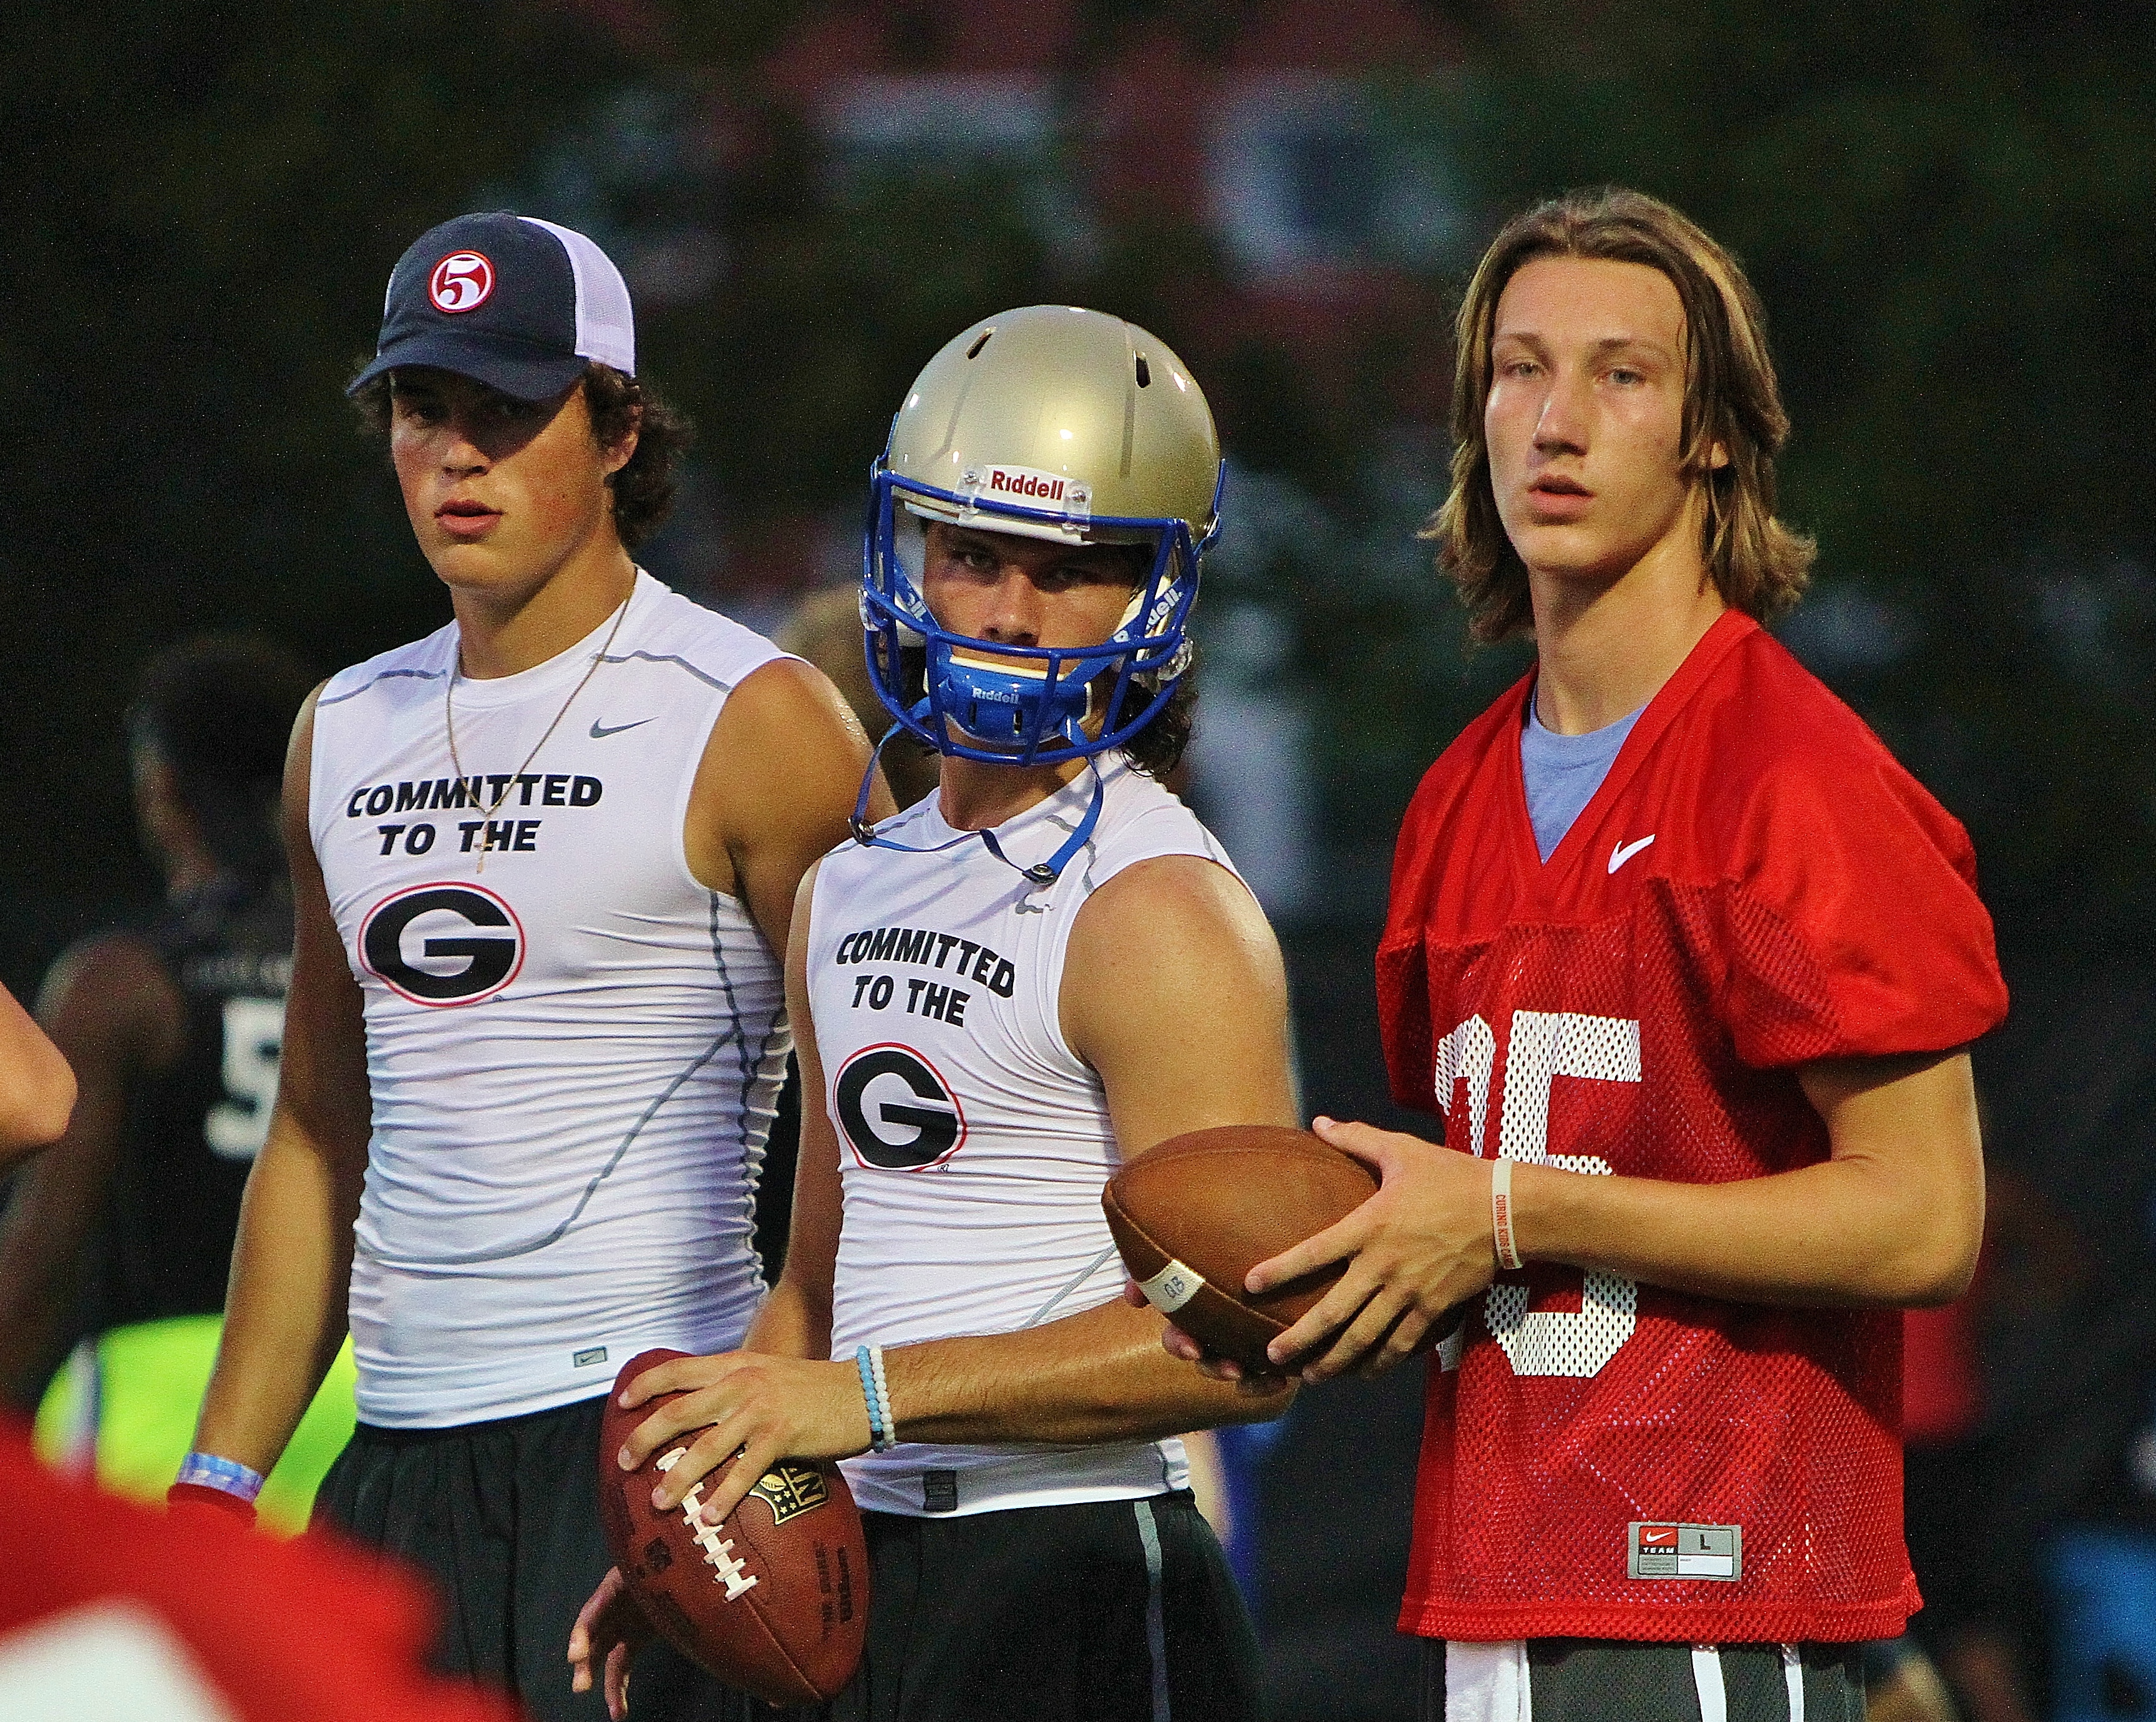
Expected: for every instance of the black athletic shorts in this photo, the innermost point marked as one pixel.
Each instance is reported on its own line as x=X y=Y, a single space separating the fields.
x=1106 y=1611
x=1615 y=1680
x=504 y=1517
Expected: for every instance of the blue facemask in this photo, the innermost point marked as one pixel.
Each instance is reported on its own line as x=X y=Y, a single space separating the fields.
x=1024 y=705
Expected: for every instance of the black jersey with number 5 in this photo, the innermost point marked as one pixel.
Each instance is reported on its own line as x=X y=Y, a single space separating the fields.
x=192 y=1129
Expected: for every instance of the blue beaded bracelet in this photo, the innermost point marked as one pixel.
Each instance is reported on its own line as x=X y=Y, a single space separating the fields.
x=882 y=1437
x=868 y=1397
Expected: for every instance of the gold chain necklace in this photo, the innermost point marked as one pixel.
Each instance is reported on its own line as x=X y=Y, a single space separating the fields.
x=450 y=718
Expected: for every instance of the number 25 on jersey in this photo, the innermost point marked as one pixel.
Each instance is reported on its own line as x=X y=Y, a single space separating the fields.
x=1543 y=1045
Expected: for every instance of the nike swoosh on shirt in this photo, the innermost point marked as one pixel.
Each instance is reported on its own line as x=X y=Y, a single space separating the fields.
x=1624 y=852
x=600 y=732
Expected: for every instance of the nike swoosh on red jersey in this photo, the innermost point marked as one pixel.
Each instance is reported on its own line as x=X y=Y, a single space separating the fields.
x=1624 y=852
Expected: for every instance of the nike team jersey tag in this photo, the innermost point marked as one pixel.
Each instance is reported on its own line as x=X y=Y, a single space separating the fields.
x=1685 y=1551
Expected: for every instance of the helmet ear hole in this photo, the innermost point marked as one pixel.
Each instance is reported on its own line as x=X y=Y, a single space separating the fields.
x=1145 y=375
x=987 y=336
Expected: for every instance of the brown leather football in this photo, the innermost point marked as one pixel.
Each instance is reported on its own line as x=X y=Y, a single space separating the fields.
x=774 y=1599
x=1193 y=1215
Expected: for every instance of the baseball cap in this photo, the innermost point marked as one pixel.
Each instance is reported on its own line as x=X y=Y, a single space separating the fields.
x=518 y=303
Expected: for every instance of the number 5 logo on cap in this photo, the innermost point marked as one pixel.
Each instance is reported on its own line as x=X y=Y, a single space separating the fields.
x=462 y=281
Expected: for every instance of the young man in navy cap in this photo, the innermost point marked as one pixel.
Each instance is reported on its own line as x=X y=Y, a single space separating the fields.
x=544 y=861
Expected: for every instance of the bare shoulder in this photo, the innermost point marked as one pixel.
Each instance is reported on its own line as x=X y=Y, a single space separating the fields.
x=794 y=696
x=776 y=787
x=783 y=720
x=1174 y=992
x=299 y=759
x=299 y=783
x=101 y=963
x=804 y=900
x=1184 y=904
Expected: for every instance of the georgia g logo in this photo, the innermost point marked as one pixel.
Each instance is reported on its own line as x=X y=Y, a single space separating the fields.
x=895 y=1111
x=462 y=281
x=443 y=945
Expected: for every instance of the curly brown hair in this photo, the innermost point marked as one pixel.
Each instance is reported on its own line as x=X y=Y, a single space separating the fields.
x=1158 y=749
x=1758 y=564
x=644 y=488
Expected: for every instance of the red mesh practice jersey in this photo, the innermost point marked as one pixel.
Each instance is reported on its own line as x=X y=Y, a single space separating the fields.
x=1756 y=884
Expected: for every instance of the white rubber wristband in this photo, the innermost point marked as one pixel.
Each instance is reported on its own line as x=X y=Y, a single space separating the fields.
x=883 y=1397
x=1500 y=1215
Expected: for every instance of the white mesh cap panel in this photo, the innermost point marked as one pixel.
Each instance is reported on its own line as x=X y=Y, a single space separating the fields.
x=605 y=327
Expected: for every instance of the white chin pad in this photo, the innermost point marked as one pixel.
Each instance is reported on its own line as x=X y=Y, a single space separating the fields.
x=1035 y=668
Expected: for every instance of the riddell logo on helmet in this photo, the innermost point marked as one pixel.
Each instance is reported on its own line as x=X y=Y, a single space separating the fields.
x=1017 y=481
x=462 y=281
x=1027 y=487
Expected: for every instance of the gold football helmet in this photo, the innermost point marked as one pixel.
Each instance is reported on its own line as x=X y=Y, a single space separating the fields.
x=1055 y=422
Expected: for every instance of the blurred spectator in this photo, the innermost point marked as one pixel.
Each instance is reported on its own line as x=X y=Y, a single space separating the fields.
x=123 y=1229
x=2100 y=1567
x=1901 y=1684
x=1968 y=1575
x=2062 y=1512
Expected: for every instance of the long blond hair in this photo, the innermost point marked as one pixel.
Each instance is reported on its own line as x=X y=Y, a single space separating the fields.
x=1758 y=564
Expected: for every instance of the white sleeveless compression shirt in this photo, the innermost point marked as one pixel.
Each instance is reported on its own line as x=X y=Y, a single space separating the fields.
x=973 y=1142
x=573 y=1051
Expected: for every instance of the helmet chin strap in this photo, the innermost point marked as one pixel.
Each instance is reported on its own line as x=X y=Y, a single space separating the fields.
x=1041 y=873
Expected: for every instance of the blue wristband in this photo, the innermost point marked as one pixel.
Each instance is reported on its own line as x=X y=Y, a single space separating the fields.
x=206 y=1470
x=883 y=1427
x=877 y=1439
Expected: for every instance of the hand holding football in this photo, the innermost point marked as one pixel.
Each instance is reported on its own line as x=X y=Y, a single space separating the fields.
x=774 y=1598
x=1194 y=1215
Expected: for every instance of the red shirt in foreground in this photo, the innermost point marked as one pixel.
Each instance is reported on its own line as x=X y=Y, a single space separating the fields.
x=189 y=1616
x=1756 y=884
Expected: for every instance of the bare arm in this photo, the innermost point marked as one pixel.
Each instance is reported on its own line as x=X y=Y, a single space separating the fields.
x=36 y=1088
x=1892 y=1218
x=775 y=789
x=291 y=1263
x=793 y=1323
x=112 y=1011
x=1173 y=991
x=795 y=1320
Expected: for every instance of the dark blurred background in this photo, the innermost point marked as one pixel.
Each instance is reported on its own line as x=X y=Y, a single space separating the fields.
x=1946 y=204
